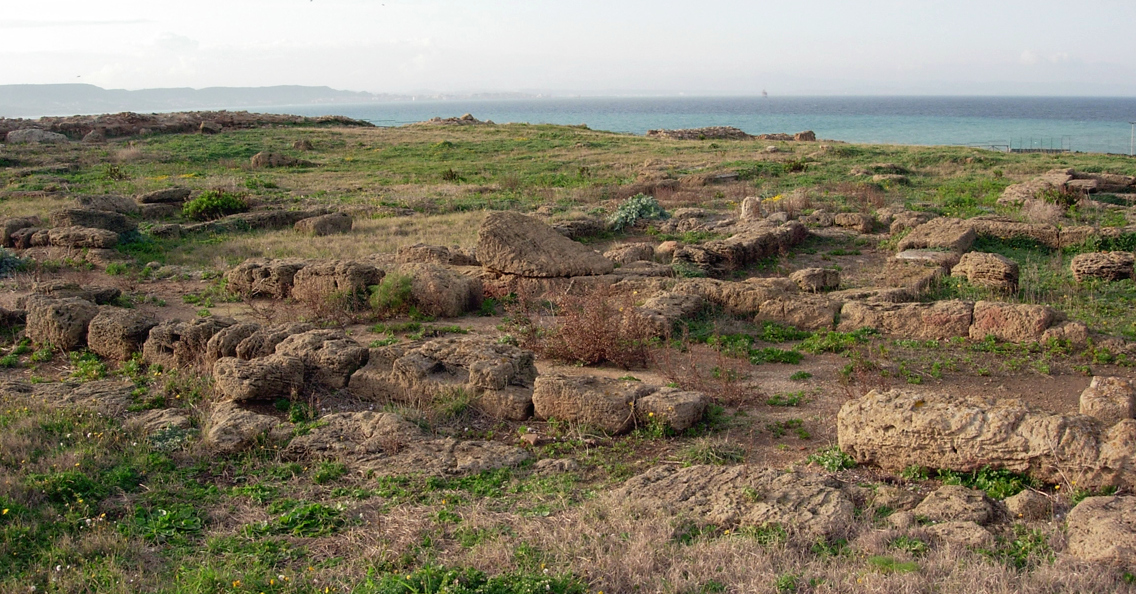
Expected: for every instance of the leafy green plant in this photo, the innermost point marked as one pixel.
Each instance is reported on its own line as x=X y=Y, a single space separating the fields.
x=436 y=579
x=800 y=376
x=910 y=545
x=304 y=519
x=997 y=483
x=832 y=459
x=884 y=564
x=166 y=525
x=636 y=208
x=45 y=353
x=1027 y=548
x=214 y=204
x=87 y=366
x=326 y=472
x=787 y=399
x=392 y=295
x=780 y=428
x=836 y=342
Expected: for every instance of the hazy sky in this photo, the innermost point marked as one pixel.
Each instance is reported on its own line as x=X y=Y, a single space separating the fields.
x=1030 y=47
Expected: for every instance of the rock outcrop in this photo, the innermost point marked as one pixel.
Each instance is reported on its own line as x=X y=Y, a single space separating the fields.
x=62 y=322
x=116 y=333
x=512 y=243
x=1103 y=530
x=1109 y=266
x=993 y=271
x=1011 y=322
x=328 y=224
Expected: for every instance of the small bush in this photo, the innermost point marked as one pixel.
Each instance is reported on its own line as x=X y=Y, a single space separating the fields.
x=214 y=204
x=713 y=451
x=391 y=296
x=636 y=208
x=596 y=328
x=836 y=342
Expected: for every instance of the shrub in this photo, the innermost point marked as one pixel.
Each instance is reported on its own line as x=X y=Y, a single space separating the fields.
x=590 y=329
x=832 y=459
x=214 y=204
x=392 y=295
x=636 y=208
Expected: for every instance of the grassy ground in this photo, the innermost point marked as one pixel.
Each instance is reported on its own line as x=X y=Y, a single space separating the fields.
x=91 y=506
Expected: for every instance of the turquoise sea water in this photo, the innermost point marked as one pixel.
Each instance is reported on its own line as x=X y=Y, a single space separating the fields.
x=1076 y=123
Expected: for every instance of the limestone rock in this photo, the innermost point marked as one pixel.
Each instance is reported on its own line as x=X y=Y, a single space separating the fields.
x=1109 y=399
x=666 y=308
x=946 y=233
x=1110 y=266
x=895 y=498
x=82 y=237
x=35 y=136
x=957 y=503
x=108 y=202
x=421 y=253
x=1076 y=333
x=262 y=343
x=97 y=294
x=988 y=270
x=14 y=224
x=677 y=409
x=816 y=280
x=330 y=357
x=267 y=378
x=1011 y=322
x=993 y=226
x=1029 y=506
x=267 y=159
x=1103 y=530
x=899 y=428
x=176 y=196
x=807 y=312
x=751 y=209
x=746 y=496
x=603 y=403
x=939 y=320
x=225 y=342
x=962 y=533
x=908 y=220
x=328 y=224
x=631 y=252
x=750 y=245
x=61 y=322
x=161 y=419
x=512 y=243
x=856 y=221
x=264 y=277
x=342 y=282
x=117 y=333
x=441 y=292
x=97 y=219
x=818 y=218
x=230 y=429
x=174 y=343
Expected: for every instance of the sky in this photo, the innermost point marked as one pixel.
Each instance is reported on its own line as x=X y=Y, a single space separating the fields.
x=588 y=47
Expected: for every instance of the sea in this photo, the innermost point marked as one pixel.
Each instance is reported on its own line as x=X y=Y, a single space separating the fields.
x=1083 y=124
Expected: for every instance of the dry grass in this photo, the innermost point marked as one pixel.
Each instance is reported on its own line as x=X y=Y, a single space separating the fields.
x=1040 y=211
x=40 y=204
x=369 y=236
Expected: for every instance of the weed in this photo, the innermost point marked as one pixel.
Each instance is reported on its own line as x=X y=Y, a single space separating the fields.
x=766 y=535
x=44 y=354
x=326 y=472
x=712 y=451
x=885 y=564
x=87 y=366
x=780 y=428
x=911 y=545
x=776 y=332
x=789 y=399
x=116 y=269
x=436 y=579
x=1028 y=548
x=169 y=525
x=214 y=204
x=800 y=376
x=602 y=326
x=636 y=208
x=303 y=519
x=832 y=459
x=787 y=583
x=998 y=484
x=836 y=342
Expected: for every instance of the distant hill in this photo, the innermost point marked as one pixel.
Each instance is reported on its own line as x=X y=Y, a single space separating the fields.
x=76 y=99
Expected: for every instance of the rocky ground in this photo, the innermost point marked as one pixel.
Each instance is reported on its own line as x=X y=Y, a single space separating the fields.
x=451 y=357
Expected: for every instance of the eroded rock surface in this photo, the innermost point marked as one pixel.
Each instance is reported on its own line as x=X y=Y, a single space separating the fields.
x=512 y=243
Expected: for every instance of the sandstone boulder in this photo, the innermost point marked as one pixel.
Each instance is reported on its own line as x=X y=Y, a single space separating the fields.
x=82 y=237
x=35 y=136
x=856 y=221
x=900 y=428
x=993 y=271
x=328 y=224
x=751 y=209
x=745 y=496
x=14 y=224
x=108 y=202
x=262 y=343
x=1076 y=333
x=329 y=356
x=1110 y=266
x=267 y=378
x=117 y=333
x=939 y=320
x=174 y=343
x=230 y=429
x=603 y=403
x=677 y=409
x=908 y=219
x=631 y=252
x=264 y=277
x=962 y=533
x=421 y=253
x=1109 y=399
x=1103 y=530
x=512 y=243
x=1029 y=506
x=97 y=219
x=160 y=419
x=818 y=218
x=955 y=235
x=175 y=196
x=808 y=312
x=60 y=322
x=816 y=280
x=666 y=308
x=267 y=159
x=994 y=226
x=225 y=342
x=752 y=244
x=342 y=282
x=97 y=294
x=957 y=503
x=441 y=292
x=1011 y=322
